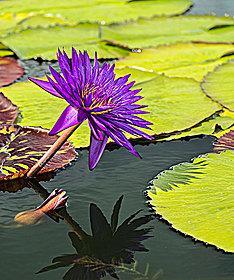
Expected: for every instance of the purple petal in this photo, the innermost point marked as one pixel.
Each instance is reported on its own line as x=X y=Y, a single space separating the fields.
x=63 y=92
x=130 y=129
x=96 y=150
x=46 y=86
x=97 y=133
x=121 y=139
x=68 y=118
x=116 y=134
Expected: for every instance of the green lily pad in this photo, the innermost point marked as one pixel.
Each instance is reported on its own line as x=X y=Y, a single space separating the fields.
x=98 y=10
x=8 y=21
x=11 y=22
x=22 y=147
x=175 y=104
x=4 y=51
x=8 y=111
x=217 y=125
x=220 y=34
x=163 y=30
x=196 y=198
x=136 y=74
x=44 y=42
x=223 y=132
x=192 y=60
x=219 y=85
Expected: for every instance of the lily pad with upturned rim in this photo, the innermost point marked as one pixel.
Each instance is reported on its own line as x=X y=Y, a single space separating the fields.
x=219 y=85
x=12 y=22
x=44 y=42
x=216 y=126
x=98 y=10
x=169 y=30
x=196 y=198
x=192 y=60
x=4 y=51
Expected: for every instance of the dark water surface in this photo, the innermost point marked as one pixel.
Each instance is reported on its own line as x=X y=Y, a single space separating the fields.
x=25 y=250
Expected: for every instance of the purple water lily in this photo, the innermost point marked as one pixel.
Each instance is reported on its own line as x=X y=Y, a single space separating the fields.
x=94 y=93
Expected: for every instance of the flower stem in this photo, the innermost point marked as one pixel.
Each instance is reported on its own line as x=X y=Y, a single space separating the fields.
x=52 y=151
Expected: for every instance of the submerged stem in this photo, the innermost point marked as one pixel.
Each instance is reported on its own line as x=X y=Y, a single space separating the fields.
x=51 y=152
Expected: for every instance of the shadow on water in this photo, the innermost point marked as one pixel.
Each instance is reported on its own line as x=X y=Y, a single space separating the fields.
x=108 y=250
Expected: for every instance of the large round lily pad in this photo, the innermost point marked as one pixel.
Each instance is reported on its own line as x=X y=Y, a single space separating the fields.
x=175 y=104
x=196 y=198
x=97 y=10
x=22 y=147
x=44 y=42
x=219 y=85
x=164 y=30
x=192 y=60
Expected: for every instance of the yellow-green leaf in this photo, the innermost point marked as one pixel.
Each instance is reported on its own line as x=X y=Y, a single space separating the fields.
x=97 y=10
x=44 y=42
x=192 y=60
x=168 y=30
x=219 y=85
x=196 y=198
x=217 y=125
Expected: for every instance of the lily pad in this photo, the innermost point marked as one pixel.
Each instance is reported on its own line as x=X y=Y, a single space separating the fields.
x=192 y=60
x=226 y=142
x=175 y=104
x=21 y=147
x=98 y=10
x=136 y=74
x=8 y=111
x=217 y=125
x=11 y=22
x=4 y=51
x=196 y=198
x=44 y=42
x=219 y=85
x=10 y=70
x=164 y=30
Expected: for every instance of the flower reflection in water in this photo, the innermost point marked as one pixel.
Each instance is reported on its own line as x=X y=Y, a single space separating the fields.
x=107 y=249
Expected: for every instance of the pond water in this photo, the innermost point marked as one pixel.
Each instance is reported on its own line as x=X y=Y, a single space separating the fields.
x=25 y=250
x=171 y=255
